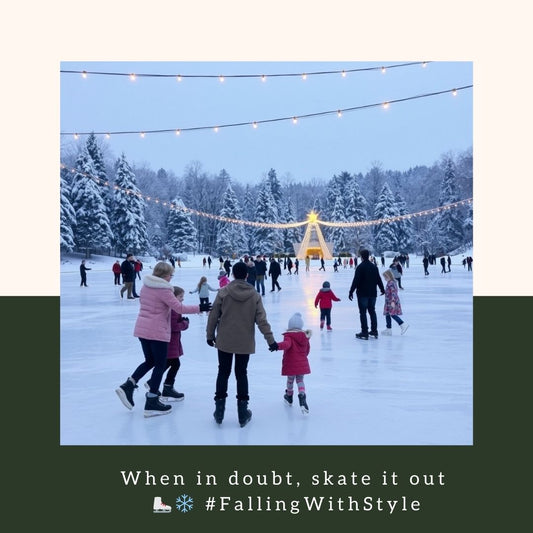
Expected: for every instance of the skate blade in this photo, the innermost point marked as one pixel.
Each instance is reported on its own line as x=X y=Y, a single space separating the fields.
x=304 y=410
x=161 y=510
x=122 y=395
x=148 y=414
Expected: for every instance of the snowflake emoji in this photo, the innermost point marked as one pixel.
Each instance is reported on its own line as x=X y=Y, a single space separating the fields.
x=184 y=503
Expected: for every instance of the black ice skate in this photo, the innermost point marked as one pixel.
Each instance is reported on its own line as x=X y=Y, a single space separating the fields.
x=220 y=407
x=154 y=407
x=288 y=398
x=171 y=395
x=125 y=393
x=303 y=403
x=245 y=415
x=363 y=336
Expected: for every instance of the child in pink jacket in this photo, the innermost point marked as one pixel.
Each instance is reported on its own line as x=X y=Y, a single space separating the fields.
x=295 y=364
x=178 y=323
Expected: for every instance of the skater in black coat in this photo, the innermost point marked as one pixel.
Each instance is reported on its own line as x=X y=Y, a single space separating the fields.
x=83 y=273
x=274 y=272
x=365 y=282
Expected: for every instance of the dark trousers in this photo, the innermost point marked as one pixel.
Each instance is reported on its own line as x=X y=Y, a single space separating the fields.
x=117 y=278
x=325 y=314
x=173 y=366
x=260 y=284
x=155 y=357
x=83 y=280
x=275 y=282
x=204 y=304
x=225 y=361
x=396 y=318
x=367 y=304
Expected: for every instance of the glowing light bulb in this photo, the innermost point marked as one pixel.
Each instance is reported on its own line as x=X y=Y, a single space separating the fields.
x=424 y=64
x=304 y=76
x=343 y=74
x=178 y=132
x=263 y=78
x=294 y=120
x=76 y=136
x=254 y=124
x=221 y=78
x=385 y=105
x=178 y=77
x=454 y=92
x=383 y=70
x=84 y=74
x=107 y=136
x=142 y=134
x=339 y=113
x=215 y=129
x=132 y=77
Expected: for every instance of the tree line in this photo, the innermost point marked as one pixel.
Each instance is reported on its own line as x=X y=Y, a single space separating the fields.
x=110 y=206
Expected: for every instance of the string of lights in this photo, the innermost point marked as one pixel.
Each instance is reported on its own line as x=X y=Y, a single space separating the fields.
x=256 y=123
x=263 y=77
x=312 y=217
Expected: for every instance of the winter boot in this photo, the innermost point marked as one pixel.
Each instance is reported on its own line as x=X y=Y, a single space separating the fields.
x=303 y=402
x=125 y=393
x=154 y=407
x=220 y=407
x=363 y=336
x=288 y=397
x=159 y=506
x=245 y=415
x=321 y=324
x=171 y=395
x=387 y=332
x=404 y=327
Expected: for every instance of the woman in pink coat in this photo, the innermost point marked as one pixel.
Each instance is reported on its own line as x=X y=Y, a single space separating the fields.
x=153 y=330
x=295 y=364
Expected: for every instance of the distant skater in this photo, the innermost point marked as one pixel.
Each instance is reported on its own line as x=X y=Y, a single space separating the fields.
x=83 y=273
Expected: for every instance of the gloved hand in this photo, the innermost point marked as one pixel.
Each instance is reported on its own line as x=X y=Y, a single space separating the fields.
x=211 y=342
x=273 y=347
x=350 y=296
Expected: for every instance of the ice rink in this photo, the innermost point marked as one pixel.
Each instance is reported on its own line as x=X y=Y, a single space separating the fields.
x=412 y=389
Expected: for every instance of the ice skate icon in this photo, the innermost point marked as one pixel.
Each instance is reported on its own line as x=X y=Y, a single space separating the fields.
x=159 y=506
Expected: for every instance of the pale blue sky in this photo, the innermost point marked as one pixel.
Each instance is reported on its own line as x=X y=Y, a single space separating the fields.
x=410 y=133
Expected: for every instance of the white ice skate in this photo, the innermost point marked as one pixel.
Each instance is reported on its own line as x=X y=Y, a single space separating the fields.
x=159 y=506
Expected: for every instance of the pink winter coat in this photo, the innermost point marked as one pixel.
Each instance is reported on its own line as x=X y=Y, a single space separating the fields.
x=177 y=325
x=295 y=346
x=157 y=299
x=392 y=300
x=223 y=281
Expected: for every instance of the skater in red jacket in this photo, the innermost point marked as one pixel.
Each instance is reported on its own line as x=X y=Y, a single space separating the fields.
x=324 y=298
x=295 y=364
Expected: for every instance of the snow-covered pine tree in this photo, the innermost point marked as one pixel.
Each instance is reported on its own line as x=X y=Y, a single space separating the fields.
x=97 y=156
x=337 y=234
x=290 y=235
x=385 y=236
x=67 y=221
x=449 y=221
x=356 y=211
x=405 y=233
x=266 y=239
x=127 y=217
x=181 y=230
x=231 y=238
x=93 y=231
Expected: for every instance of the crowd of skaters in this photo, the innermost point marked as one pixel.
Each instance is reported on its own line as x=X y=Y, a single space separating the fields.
x=249 y=271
